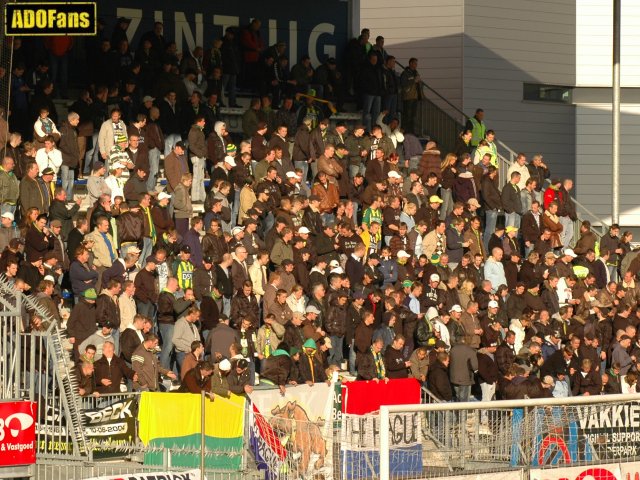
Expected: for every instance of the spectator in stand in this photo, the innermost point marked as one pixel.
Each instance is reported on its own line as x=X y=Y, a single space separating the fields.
x=475 y=125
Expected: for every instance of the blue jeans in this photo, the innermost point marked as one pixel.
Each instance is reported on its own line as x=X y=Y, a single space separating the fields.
x=512 y=220
x=491 y=218
x=462 y=392
x=613 y=272
x=567 y=231
x=5 y=207
x=146 y=308
x=235 y=208
x=166 y=332
x=147 y=247
x=169 y=142
x=154 y=167
x=447 y=203
x=335 y=353
x=352 y=359
x=370 y=110
x=304 y=166
x=179 y=359
x=91 y=155
x=197 y=187
x=60 y=72
x=390 y=104
x=229 y=86
x=67 y=175
x=355 y=169
x=115 y=333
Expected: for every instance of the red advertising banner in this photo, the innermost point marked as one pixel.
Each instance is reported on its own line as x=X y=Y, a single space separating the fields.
x=362 y=397
x=18 y=433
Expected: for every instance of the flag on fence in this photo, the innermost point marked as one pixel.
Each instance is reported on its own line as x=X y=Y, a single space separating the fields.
x=172 y=420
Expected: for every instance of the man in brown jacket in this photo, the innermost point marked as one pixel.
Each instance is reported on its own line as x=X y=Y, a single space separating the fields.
x=175 y=165
x=198 y=155
x=471 y=324
x=329 y=165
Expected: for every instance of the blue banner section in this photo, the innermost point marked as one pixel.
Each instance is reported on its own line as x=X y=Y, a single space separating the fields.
x=319 y=29
x=402 y=461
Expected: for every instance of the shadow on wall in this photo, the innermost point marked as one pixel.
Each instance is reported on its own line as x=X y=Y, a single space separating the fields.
x=489 y=81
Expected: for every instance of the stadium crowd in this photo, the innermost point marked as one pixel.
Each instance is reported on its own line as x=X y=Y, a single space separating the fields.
x=317 y=249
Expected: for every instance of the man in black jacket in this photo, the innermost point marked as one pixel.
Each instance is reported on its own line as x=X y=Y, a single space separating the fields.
x=108 y=310
x=438 y=378
x=110 y=370
x=82 y=322
x=394 y=361
x=492 y=202
x=511 y=201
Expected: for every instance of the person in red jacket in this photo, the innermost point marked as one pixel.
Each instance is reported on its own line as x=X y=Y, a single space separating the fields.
x=552 y=193
x=252 y=46
x=59 y=48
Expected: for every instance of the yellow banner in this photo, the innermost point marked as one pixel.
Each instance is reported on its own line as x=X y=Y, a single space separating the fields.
x=171 y=415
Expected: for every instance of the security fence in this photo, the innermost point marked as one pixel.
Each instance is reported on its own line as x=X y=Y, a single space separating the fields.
x=476 y=438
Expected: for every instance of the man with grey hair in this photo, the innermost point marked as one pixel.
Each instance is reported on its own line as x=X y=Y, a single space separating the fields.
x=70 y=151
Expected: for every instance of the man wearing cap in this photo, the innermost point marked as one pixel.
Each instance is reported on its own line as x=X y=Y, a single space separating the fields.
x=135 y=187
x=160 y=215
x=114 y=181
x=58 y=211
x=204 y=279
x=197 y=154
x=7 y=231
x=82 y=321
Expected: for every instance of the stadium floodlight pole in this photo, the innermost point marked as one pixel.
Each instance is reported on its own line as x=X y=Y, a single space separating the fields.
x=615 y=110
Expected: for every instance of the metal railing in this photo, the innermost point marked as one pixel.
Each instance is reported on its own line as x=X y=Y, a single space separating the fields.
x=490 y=437
x=36 y=366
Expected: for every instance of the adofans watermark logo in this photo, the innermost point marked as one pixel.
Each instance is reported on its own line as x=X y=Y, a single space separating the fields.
x=50 y=18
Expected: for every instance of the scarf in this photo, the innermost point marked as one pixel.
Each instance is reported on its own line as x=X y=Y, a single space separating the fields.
x=310 y=360
x=267 y=342
x=379 y=363
x=152 y=227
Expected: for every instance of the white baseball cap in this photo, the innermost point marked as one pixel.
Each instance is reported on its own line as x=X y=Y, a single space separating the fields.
x=493 y=304
x=230 y=161
x=118 y=165
x=394 y=174
x=569 y=253
x=8 y=215
x=434 y=277
x=292 y=175
x=163 y=196
x=304 y=230
x=225 y=365
x=456 y=308
x=403 y=254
